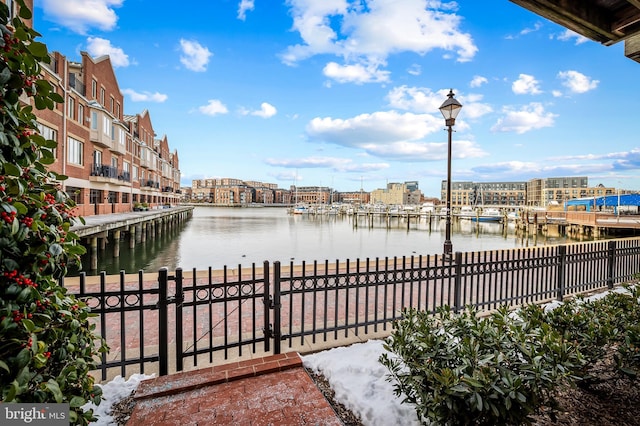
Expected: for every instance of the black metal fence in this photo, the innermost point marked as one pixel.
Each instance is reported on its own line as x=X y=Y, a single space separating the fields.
x=169 y=322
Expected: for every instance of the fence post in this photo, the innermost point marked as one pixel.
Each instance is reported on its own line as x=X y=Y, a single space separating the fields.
x=163 y=327
x=562 y=262
x=457 y=283
x=611 y=262
x=179 y=329
x=276 y=308
x=267 y=307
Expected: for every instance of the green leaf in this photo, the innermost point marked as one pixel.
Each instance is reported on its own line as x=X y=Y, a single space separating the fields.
x=4 y=366
x=37 y=49
x=20 y=208
x=11 y=170
x=5 y=75
x=11 y=393
x=29 y=325
x=53 y=386
x=23 y=358
x=76 y=402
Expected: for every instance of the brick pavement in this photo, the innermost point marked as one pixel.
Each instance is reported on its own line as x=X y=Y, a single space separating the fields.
x=270 y=391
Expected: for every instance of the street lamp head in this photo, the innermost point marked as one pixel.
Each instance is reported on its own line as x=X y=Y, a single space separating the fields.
x=450 y=109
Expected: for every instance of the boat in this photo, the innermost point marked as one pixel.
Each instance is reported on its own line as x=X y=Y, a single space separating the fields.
x=489 y=214
x=466 y=213
x=427 y=209
x=300 y=210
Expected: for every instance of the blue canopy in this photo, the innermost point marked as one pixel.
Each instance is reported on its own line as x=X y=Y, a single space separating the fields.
x=605 y=201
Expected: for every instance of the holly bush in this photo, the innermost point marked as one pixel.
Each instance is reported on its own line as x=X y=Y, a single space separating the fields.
x=462 y=369
x=47 y=343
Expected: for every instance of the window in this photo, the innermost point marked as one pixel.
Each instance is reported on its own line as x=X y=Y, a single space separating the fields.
x=49 y=134
x=118 y=110
x=75 y=194
x=74 y=151
x=106 y=128
x=94 y=120
x=135 y=173
x=114 y=163
x=71 y=107
x=94 y=89
x=112 y=102
x=97 y=158
x=80 y=114
x=95 y=196
x=102 y=96
x=122 y=137
x=125 y=198
x=9 y=4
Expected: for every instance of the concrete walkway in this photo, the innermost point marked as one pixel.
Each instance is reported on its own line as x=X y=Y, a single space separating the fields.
x=269 y=391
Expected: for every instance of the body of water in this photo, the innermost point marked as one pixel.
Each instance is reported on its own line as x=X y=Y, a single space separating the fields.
x=218 y=236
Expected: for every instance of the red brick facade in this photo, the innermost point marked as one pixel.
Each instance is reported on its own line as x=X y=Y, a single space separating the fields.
x=113 y=161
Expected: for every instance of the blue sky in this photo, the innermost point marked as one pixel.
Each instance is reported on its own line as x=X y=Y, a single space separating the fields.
x=345 y=93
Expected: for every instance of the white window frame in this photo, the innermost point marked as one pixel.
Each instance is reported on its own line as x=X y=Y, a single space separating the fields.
x=75 y=151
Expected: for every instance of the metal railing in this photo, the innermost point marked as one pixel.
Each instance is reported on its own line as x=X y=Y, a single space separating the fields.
x=176 y=321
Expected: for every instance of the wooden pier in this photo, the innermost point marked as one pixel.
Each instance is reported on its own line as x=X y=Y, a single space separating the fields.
x=97 y=230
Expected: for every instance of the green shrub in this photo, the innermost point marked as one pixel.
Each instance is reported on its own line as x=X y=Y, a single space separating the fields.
x=460 y=369
x=47 y=346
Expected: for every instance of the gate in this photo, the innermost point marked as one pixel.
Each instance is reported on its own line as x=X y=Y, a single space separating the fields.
x=219 y=314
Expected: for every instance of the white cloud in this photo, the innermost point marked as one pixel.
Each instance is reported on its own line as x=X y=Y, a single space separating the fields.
x=352 y=30
x=333 y=163
x=415 y=69
x=389 y=134
x=424 y=100
x=478 y=81
x=358 y=73
x=98 y=47
x=577 y=82
x=535 y=28
x=529 y=117
x=194 y=56
x=569 y=35
x=416 y=99
x=378 y=127
x=80 y=15
x=526 y=84
x=144 y=96
x=243 y=7
x=266 y=111
x=214 y=107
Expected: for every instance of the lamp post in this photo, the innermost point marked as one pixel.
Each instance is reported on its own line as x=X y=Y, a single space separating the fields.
x=449 y=109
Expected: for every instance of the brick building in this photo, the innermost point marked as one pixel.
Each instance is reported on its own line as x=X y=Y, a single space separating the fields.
x=113 y=161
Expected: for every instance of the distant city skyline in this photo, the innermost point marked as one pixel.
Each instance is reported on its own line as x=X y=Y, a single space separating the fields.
x=343 y=92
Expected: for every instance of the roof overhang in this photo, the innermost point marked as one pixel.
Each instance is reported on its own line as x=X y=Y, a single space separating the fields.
x=604 y=21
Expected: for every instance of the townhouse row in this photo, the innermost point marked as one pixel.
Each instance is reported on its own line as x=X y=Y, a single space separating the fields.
x=114 y=161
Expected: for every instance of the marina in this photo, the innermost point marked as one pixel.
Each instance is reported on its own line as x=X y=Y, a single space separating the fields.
x=219 y=236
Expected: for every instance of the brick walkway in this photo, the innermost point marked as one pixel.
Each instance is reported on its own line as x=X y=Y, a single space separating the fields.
x=269 y=391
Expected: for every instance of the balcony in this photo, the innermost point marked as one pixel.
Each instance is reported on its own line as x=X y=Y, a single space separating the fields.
x=75 y=83
x=149 y=184
x=106 y=173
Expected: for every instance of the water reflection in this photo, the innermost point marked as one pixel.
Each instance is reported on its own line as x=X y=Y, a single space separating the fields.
x=231 y=236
